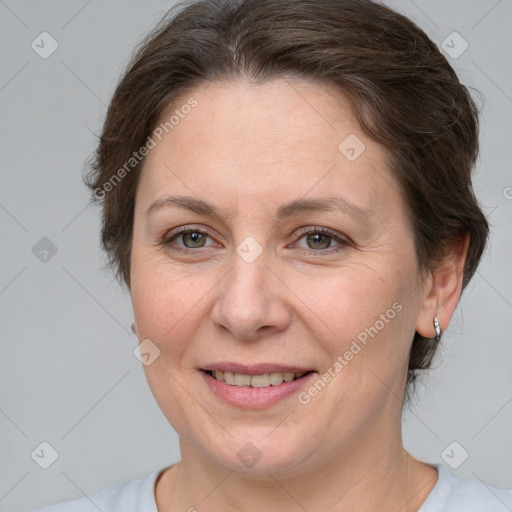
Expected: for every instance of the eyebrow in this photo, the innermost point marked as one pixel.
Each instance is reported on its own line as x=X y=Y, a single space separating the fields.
x=286 y=210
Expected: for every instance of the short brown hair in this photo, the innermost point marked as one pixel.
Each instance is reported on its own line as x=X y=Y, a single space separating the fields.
x=405 y=94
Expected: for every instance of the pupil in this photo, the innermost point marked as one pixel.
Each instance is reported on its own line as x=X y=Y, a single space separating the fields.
x=194 y=237
x=318 y=238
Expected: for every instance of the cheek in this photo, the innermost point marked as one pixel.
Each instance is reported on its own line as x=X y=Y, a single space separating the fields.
x=366 y=315
x=168 y=309
x=168 y=303
x=352 y=298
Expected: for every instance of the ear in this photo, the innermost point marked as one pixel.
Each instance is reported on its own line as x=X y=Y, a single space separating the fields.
x=445 y=287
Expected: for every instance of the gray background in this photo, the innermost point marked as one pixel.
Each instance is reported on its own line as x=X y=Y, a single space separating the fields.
x=68 y=375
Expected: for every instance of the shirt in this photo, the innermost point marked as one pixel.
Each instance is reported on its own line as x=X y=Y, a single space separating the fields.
x=450 y=494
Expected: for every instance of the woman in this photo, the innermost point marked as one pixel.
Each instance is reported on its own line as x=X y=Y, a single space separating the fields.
x=286 y=193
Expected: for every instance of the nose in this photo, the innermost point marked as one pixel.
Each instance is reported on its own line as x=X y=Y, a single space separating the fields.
x=252 y=301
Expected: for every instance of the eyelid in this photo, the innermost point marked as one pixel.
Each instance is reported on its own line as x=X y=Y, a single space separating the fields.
x=342 y=240
x=319 y=229
x=169 y=235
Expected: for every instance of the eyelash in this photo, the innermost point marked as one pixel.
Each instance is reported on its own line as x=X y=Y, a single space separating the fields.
x=311 y=230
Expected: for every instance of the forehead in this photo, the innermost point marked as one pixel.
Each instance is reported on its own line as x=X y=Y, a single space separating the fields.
x=280 y=113
x=267 y=140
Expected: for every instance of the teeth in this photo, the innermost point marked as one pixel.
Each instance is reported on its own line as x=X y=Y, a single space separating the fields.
x=256 y=381
x=229 y=378
x=260 y=381
x=276 y=378
x=242 y=380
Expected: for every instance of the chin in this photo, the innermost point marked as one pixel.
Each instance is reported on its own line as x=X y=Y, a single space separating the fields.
x=261 y=458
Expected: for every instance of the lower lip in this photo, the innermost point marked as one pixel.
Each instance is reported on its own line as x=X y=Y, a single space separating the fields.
x=248 y=397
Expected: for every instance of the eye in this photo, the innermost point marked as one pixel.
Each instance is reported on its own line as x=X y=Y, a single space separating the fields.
x=320 y=239
x=191 y=238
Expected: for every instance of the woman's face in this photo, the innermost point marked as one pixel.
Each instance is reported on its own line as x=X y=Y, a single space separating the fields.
x=254 y=288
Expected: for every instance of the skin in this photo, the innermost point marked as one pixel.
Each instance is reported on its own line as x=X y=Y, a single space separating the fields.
x=248 y=149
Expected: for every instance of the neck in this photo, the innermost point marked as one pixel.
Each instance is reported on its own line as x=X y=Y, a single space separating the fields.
x=373 y=474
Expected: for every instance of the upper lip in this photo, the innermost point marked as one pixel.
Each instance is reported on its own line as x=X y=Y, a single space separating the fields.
x=254 y=369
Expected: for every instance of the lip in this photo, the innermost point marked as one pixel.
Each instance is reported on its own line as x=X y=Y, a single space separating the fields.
x=254 y=369
x=247 y=397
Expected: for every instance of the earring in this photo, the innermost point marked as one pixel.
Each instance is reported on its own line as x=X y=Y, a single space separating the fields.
x=133 y=329
x=437 y=327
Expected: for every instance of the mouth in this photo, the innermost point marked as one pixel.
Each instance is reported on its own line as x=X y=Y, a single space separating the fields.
x=256 y=386
x=264 y=380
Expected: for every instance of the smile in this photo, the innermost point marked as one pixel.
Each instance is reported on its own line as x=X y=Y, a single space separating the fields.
x=256 y=381
x=256 y=386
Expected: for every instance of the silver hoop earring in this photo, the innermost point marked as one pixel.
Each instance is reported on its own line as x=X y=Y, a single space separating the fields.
x=437 y=327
